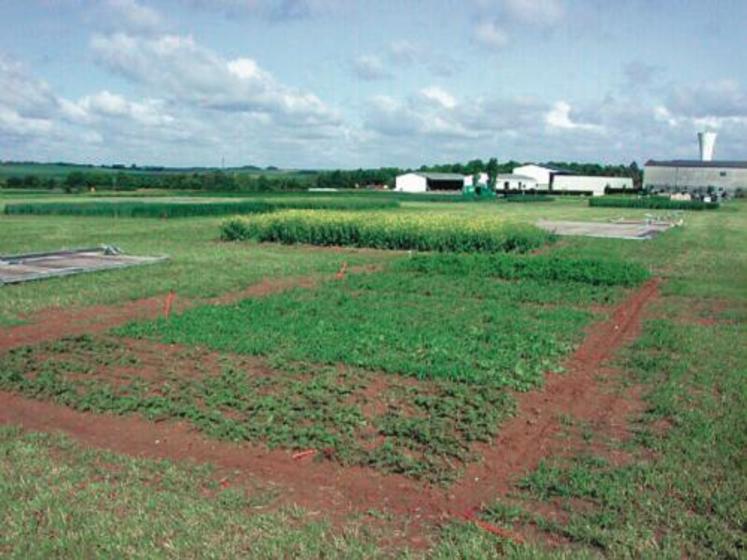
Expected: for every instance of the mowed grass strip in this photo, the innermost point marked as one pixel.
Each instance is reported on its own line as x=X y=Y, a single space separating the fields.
x=144 y=209
x=59 y=499
x=367 y=322
x=389 y=230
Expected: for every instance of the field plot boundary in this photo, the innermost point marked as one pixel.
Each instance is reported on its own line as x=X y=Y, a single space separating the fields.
x=55 y=323
x=338 y=491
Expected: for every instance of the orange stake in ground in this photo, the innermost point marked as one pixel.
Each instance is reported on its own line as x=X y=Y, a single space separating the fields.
x=490 y=528
x=302 y=454
x=343 y=269
x=167 y=304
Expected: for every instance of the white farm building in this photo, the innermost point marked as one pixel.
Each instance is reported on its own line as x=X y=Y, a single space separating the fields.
x=512 y=182
x=543 y=175
x=555 y=179
x=419 y=182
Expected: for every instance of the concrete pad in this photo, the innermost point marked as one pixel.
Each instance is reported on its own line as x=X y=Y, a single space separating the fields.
x=617 y=230
x=37 y=266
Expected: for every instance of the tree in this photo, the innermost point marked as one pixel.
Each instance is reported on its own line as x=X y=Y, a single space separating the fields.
x=492 y=170
x=74 y=181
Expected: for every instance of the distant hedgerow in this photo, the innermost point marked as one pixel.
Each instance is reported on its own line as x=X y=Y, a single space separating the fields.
x=143 y=209
x=652 y=202
x=528 y=198
x=414 y=231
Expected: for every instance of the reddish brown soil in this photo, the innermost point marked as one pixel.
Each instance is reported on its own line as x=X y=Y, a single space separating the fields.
x=339 y=491
x=56 y=323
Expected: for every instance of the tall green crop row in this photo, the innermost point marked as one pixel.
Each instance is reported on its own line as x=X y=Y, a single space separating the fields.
x=141 y=209
x=422 y=232
x=653 y=202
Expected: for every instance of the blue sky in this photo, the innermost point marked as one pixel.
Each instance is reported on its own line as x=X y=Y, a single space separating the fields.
x=346 y=83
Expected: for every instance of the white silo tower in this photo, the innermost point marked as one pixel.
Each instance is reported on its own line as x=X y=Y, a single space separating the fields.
x=707 y=141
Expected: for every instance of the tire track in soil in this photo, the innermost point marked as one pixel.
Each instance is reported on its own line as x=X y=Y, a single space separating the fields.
x=340 y=492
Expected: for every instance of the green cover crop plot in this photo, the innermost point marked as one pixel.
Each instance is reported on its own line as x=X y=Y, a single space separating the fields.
x=142 y=209
x=542 y=268
x=395 y=230
x=376 y=322
x=653 y=202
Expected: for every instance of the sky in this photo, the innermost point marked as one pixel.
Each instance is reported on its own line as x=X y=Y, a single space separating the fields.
x=349 y=83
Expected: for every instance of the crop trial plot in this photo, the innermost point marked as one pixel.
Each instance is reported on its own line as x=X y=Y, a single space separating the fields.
x=402 y=370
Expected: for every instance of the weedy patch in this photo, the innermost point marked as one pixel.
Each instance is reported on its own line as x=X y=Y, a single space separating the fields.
x=420 y=429
x=430 y=334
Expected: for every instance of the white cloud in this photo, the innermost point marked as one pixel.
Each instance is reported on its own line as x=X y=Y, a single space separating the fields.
x=106 y=104
x=559 y=117
x=535 y=12
x=23 y=92
x=134 y=16
x=274 y=10
x=722 y=98
x=177 y=67
x=440 y=96
x=15 y=124
x=488 y=34
x=640 y=74
x=404 y=51
x=495 y=17
x=370 y=67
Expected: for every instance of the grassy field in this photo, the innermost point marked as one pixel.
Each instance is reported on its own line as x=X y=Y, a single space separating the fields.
x=404 y=369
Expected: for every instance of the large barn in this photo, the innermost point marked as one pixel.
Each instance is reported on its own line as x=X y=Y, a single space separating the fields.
x=696 y=177
x=543 y=175
x=426 y=182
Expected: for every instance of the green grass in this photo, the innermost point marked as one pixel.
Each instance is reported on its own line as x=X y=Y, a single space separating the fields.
x=141 y=209
x=61 y=500
x=528 y=198
x=427 y=333
x=394 y=230
x=653 y=202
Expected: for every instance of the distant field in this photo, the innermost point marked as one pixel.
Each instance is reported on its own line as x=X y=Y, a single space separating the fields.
x=57 y=171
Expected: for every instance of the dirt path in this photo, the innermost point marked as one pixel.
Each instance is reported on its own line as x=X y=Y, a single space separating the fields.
x=338 y=491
